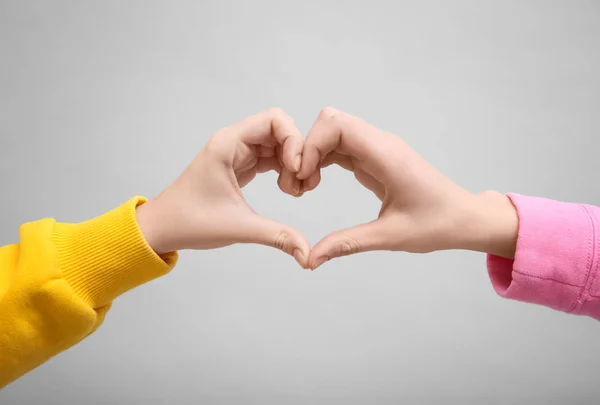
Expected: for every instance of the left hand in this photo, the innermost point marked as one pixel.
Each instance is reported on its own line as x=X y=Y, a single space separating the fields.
x=422 y=210
x=205 y=208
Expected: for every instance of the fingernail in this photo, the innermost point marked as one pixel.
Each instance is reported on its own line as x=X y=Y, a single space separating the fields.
x=296 y=187
x=319 y=262
x=297 y=163
x=299 y=257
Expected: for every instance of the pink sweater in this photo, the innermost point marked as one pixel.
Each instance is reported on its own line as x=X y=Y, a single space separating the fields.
x=557 y=259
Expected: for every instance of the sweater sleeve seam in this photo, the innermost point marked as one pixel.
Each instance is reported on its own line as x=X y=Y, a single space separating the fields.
x=591 y=259
x=545 y=278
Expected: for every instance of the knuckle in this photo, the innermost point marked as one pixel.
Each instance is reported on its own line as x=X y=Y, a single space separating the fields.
x=348 y=247
x=280 y=183
x=276 y=112
x=328 y=114
x=216 y=144
x=281 y=241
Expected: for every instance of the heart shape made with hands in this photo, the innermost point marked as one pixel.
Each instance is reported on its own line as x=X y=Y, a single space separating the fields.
x=421 y=209
x=270 y=141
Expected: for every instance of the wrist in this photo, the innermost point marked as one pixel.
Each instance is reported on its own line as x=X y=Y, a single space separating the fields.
x=491 y=225
x=149 y=220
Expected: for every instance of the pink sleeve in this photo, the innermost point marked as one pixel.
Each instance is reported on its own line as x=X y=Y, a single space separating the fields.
x=557 y=258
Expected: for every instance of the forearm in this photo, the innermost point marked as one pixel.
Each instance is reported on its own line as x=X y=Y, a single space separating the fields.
x=540 y=250
x=59 y=281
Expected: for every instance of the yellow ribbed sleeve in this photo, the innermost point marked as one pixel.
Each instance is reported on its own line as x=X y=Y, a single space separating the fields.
x=57 y=284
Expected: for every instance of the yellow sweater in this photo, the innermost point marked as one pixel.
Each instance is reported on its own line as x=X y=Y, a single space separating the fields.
x=57 y=284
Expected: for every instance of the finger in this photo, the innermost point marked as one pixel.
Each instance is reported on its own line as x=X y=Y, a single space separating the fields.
x=269 y=126
x=312 y=181
x=246 y=177
x=266 y=164
x=370 y=183
x=265 y=151
x=363 y=178
x=262 y=165
x=343 y=161
x=292 y=154
x=256 y=229
x=244 y=167
x=374 y=235
x=287 y=181
x=336 y=130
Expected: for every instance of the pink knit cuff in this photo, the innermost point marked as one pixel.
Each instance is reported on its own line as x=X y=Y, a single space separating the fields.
x=555 y=263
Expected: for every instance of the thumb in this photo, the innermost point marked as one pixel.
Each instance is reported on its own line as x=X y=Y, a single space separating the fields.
x=361 y=238
x=256 y=229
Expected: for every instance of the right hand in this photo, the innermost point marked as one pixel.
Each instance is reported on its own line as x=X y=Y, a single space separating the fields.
x=422 y=210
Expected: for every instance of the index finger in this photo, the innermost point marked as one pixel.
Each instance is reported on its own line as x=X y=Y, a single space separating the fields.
x=336 y=131
x=271 y=128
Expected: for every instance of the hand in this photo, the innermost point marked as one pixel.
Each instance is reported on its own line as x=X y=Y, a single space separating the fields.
x=205 y=209
x=422 y=210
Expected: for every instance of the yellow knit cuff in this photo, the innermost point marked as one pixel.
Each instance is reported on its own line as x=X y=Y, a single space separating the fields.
x=107 y=256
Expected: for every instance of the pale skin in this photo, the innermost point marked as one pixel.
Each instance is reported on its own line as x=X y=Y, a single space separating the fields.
x=422 y=210
x=205 y=209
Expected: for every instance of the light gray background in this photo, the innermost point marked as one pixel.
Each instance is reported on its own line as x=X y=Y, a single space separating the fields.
x=102 y=100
